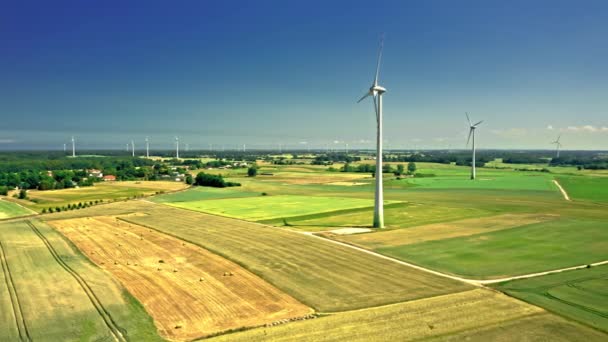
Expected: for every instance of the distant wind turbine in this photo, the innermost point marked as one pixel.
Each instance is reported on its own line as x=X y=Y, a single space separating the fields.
x=472 y=133
x=64 y=148
x=132 y=148
x=558 y=145
x=177 y=147
x=73 y=147
x=376 y=92
x=147 y=148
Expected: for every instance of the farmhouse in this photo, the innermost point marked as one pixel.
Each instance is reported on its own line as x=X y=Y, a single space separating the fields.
x=109 y=178
x=95 y=173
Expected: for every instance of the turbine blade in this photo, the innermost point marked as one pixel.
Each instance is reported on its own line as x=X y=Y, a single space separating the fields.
x=478 y=123
x=468 y=119
x=379 y=59
x=364 y=97
x=469 y=138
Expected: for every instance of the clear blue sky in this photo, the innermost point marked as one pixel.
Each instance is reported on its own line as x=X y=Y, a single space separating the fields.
x=290 y=72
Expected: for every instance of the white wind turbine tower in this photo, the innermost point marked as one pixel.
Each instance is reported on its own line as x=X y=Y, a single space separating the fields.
x=132 y=148
x=147 y=148
x=472 y=133
x=558 y=145
x=64 y=148
x=177 y=147
x=73 y=147
x=376 y=92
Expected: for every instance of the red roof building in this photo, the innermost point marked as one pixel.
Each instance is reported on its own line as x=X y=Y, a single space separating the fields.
x=109 y=178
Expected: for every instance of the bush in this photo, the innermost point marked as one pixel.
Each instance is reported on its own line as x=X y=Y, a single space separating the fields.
x=424 y=175
x=22 y=194
x=3 y=190
x=216 y=181
x=252 y=171
x=44 y=210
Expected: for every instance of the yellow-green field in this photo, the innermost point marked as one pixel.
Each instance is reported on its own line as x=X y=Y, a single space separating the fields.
x=106 y=191
x=478 y=315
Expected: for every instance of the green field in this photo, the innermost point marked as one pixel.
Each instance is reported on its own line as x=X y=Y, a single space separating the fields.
x=585 y=188
x=272 y=207
x=10 y=210
x=323 y=275
x=522 y=250
x=203 y=193
x=581 y=295
x=477 y=315
x=55 y=294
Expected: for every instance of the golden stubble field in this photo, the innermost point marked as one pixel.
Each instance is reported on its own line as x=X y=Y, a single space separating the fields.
x=189 y=291
x=444 y=230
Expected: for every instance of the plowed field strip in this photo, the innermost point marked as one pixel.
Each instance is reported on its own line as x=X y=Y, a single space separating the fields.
x=24 y=334
x=105 y=315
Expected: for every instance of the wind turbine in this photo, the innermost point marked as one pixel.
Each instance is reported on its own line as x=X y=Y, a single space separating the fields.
x=132 y=148
x=558 y=145
x=472 y=133
x=73 y=147
x=64 y=148
x=376 y=92
x=177 y=147
x=147 y=148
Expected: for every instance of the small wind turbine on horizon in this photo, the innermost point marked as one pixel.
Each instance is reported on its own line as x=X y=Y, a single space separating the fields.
x=472 y=128
x=376 y=92
x=558 y=145
x=64 y=148
x=177 y=147
x=132 y=148
x=73 y=147
x=147 y=148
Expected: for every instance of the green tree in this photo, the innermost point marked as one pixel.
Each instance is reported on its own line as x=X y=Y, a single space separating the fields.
x=189 y=179
x=411 y=168
x=400 y=170
x=22 y=194
x=252 y=171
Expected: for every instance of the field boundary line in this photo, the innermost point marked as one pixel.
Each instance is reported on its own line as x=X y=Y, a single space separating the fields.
x=15 y=302
x=476 y=282
x=564 y=193
x=533 y=275
x=405 y=263
x=105 y=315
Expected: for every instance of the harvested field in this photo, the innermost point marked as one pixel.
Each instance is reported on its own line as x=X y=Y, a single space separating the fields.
x=466 y=313
x=53 y=294
x=319 y=273
x=440 y=231
x=189 y=291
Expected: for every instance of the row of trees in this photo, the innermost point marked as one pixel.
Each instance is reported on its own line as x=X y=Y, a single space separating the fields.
x=216 y=181
x=386 y=168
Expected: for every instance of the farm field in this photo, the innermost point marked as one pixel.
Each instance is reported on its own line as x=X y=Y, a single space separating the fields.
x=526 y=249
x=471 y=315
x=9 y=210
x=581 y=295
x=190 y=292
x=441 y=231
x=585 y=188
x=319 y=273
x=203 y=193
x=51 y=292
x=272 y=207
x=106 y=191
